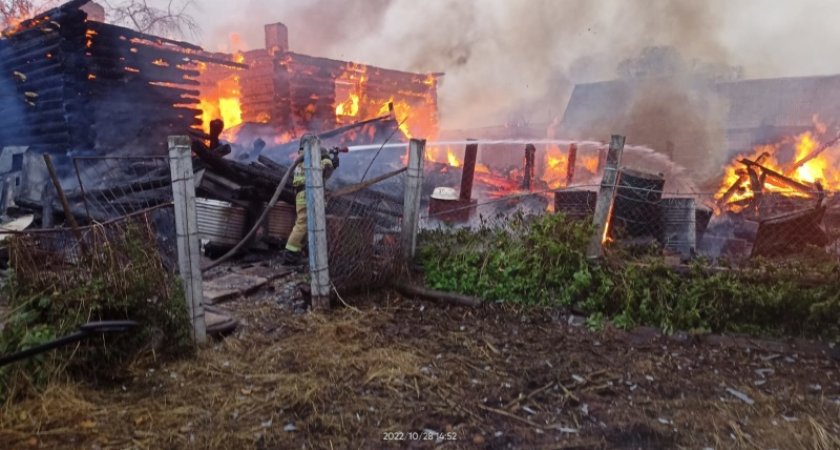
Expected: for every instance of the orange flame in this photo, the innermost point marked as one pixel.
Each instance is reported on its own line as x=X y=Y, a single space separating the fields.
x=444 y=155
x=89 y=34
x=349 y=107
x=555 y=163
x=263 y=117
x=354 y=101
x=804 y=167
x=222 y=99
x=451 y=159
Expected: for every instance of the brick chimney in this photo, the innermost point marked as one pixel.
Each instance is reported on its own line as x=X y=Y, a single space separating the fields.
x=95 y=11
x=276 y=38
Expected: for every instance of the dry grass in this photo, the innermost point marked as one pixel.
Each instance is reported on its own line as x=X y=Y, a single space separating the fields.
x=345 y=378
x=245 y=389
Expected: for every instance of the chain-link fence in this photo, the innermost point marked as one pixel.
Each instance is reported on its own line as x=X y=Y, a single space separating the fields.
x=639 y=216
x=648 y=213
x=683 y=226
x=62 y=258
x=364 y=236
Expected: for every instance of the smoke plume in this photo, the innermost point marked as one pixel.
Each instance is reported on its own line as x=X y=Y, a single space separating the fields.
x=514 y=59
x=500 y=57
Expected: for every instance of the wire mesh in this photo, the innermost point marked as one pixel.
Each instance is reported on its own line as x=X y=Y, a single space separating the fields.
x=682 y=226
x=658 y=210
x=111 y=187
x=364 y=235
x=57 y=259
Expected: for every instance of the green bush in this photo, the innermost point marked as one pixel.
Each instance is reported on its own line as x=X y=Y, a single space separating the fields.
x=525 y=262
x=119 y=277
x=542 y=261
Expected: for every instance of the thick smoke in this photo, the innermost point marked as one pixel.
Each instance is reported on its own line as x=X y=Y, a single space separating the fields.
x=664 y=101
x=501 y=58
x=514 y=59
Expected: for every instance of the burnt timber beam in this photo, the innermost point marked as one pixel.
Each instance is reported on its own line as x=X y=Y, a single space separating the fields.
x=468 y=172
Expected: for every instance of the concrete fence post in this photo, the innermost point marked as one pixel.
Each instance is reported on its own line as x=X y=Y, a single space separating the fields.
x=316 y=221
x=186 y=230
x=606 y=196
x=411 y=201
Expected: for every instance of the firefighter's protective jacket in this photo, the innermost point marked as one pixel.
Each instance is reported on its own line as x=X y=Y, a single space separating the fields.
x=299 y=178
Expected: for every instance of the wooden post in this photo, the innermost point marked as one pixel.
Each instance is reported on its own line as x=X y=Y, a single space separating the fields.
x=468 y=172
x=186 y=231
x=316 y=223
x=530 y=156
x=602 y=151
x=606 y=194
x=47 y=219
x=68 y=214
x=570 y=164
x=411 y=201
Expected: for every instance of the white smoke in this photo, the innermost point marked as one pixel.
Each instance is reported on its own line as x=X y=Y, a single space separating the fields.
x=503 y=57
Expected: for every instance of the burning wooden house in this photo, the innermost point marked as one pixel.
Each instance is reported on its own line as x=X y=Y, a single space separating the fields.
x=73 y=84
x=293 y=93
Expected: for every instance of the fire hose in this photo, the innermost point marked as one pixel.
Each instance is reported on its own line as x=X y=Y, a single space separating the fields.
x=87 y=330
x=259 y=221
x=333 y=152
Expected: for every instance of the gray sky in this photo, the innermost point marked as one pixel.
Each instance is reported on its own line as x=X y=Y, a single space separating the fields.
x=502 y=55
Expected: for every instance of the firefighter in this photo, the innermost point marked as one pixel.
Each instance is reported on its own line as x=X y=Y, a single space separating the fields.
x=294 y=244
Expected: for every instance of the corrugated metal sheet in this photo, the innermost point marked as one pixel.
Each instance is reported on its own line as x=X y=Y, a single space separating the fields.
x=281 y=219
x=219 y=222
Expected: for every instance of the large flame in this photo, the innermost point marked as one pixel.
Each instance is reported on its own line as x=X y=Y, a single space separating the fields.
x=805 y=167
x=556 y=163
x=555 y=169
x=221 y=99
x=349 y=107
x=356 y=101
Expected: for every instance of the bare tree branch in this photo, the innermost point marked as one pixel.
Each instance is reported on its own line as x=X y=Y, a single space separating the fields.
x=172 y=20
x=14 y=11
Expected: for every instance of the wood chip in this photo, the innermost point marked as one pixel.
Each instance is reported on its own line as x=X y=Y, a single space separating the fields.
x=740 y=396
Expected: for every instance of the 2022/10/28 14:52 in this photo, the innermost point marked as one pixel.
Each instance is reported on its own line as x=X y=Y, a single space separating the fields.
x=425 y=435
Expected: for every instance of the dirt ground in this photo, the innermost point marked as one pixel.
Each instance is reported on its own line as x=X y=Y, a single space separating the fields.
x=389 y=372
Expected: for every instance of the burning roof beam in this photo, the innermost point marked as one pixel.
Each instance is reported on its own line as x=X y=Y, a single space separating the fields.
x=778 y=179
